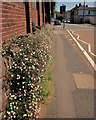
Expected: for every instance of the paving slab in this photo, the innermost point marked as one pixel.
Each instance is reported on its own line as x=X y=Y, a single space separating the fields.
x=84 y=81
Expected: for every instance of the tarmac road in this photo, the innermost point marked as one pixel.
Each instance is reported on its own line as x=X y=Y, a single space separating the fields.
x=86 y=35
x=74 y=80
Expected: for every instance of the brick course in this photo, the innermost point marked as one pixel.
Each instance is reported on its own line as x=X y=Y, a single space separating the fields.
x=14 y=21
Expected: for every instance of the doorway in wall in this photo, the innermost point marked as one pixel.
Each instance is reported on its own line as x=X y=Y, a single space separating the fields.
x=43 y=12
x=81 y=20
x=38 y=12
x=27 y=17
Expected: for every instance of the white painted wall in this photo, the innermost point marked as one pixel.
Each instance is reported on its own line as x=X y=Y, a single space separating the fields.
x=80 y=12
x=87 y=16
x=92 y=20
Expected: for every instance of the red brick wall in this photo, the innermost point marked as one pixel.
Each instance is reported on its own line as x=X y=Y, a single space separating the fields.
x=34 y=15
x=33 y=12
x=0 y=22
x=13 y=20
x=40 y=14
x=13 y=24
x=41 y=9
x=41 y=20
x=0 y=60
x=30 y=11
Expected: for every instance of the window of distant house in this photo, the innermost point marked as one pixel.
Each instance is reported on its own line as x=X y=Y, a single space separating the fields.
x=34 y=5
x=77 y=12
x=89 y=12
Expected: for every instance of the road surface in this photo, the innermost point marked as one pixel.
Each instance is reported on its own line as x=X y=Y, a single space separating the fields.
x=85 y=35
x=74 y=76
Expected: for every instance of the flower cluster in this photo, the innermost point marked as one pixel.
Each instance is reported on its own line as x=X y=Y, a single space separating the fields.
x=30 y=55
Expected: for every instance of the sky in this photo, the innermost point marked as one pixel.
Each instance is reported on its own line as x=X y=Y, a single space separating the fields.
x=70 y=5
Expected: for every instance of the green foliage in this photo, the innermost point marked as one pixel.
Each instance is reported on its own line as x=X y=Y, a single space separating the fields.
x=45 y=92
x=53 y=5
x=30 y=56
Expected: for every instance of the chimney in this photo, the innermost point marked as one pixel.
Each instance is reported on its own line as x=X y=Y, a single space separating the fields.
x=79 y=4
x=76 y=5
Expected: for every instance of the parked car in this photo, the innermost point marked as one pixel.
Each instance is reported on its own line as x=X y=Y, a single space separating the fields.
x=57 y=22
x=65 y=21
x=68 y=21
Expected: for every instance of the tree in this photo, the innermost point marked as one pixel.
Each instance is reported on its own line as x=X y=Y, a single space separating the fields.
x=53 y=5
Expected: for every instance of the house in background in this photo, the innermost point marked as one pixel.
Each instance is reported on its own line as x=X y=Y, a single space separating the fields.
x=67 y=16
x=92 y=18
x=59 y=16
x=83 y=14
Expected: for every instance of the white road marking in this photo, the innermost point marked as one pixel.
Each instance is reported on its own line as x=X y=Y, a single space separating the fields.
x=84 y=51
x=89 y=46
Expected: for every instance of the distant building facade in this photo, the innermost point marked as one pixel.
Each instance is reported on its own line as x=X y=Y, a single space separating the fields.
x=67 y=16
x=83 y=14
x=61 y=15
x=62 y=9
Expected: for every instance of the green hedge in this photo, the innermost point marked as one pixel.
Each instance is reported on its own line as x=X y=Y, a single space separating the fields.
x=29 y=56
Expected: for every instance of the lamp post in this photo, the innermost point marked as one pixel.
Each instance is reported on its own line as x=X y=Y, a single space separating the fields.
x=63 y=15
x=63 y=20
x=83 y=11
